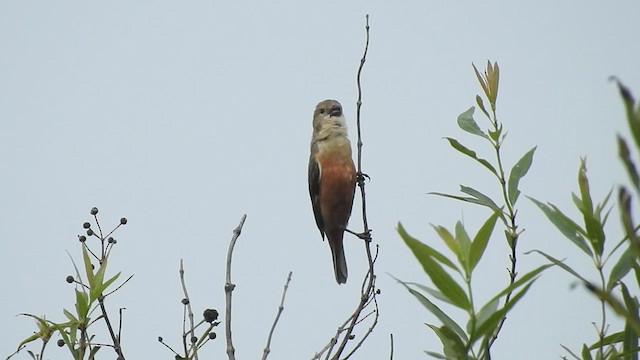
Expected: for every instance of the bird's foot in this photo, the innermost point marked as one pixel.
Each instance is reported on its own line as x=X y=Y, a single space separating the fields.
x=362 y=176
x=363 y=235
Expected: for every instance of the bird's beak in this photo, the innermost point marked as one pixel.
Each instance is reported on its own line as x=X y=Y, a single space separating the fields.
x=336 y=110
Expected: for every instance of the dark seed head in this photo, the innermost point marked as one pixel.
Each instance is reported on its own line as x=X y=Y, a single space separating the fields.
x=111 y=240
x=86 y=225
x=60 y=343
x=82 y=238
x=194 y=339
x=185 y=301
x=94 y=210
x=89 y=232
x=70 y=279
x=123 y=221
x=160 y=338
x=212 y=335
x=210 y=315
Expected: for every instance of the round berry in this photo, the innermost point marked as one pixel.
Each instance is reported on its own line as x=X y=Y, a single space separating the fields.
x=210 y=315
x=123 y=221
x=86 y=225
x=94 y=210
x=70 y=279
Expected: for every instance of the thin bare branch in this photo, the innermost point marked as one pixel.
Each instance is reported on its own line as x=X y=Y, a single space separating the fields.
x=267 y=348
x=189 y=311
x=228 y=289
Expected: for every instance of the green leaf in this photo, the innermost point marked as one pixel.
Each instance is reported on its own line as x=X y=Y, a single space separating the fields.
x=481 y=240
x=424 y=248
x=453 y=347
x=465 y=246
x=621 y=268
x=586 y=354
x=87 y=264
x=107 y=283
x=435 y=310
x=440 y=278
x=82 y=306
x=482 y=198
x=593 y=226
x=448 y=239
x=481 y=106
x=472 y=154
x=436 y=355
x=561 y=264
x=633 y=117
x=625 y=156
x=608 y=340
x=468 y=124
x=518 y=171
x=431 y=291
x=566 y=226
x=488 y=326
x=632 y=319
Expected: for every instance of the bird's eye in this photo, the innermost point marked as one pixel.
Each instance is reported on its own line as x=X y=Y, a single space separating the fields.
x=321 y=111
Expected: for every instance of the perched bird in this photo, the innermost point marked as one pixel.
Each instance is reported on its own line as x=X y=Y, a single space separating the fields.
x=332 y=179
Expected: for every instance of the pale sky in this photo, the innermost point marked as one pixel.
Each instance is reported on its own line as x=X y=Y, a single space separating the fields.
x=182 y=116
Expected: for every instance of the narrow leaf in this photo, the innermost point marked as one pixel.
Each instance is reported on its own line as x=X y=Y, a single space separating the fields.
x=518 y=171
x=472 y=154
x=621 y=268
x=424 y=248
x=633 y=118
x=566 y=226
x=465 y=246
x=435 y=310
x=468 y=124
x=431 y=291
x=561 y=264
x=492 y=322
x=440 y=278
x=452 y=346
x=586 y=354
x=448 y=239
x=482 y=198
x=625 y=156
x=481 y=240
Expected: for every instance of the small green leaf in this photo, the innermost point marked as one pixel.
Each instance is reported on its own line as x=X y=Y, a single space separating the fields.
x=518 y=171
x=481 y=106
x=481 y=240
x=468 y=124
x=448 y=239
x=436 y=355
x=593 y=226
x=465 y=246
x=82 y=306
x=560 y=263
x=453 y=347
x=487 y=310
x=566 y=226
x=608 y=340
x=423 y=248
x=431 y=291
x=633 y=117
x=440 y=278
x=625 y=156
x=492 y=322
x=87 y=264
x=586 y=355
x=470 y=153
x=621 y=268
x=482 y=198
x=435 y=310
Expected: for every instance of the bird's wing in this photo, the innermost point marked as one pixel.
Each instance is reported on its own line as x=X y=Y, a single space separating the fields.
x=314 y=191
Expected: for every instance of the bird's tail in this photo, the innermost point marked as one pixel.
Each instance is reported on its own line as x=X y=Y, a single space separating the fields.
x=339 y=261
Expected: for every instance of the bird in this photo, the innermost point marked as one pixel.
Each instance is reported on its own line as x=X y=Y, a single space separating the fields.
x=332 y=179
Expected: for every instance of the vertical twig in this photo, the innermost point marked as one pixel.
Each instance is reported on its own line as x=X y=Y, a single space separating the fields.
x=267 y=348
x=228 y=289
x=189 y=314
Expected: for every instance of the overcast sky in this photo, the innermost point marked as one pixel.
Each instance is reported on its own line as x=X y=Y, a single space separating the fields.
x=184 y=115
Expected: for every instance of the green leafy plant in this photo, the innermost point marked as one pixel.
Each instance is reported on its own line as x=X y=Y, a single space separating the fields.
x=484 y=322
x=90 y=294
x=589 y=236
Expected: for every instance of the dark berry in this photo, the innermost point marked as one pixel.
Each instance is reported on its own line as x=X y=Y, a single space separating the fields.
x=111 y=240
x=89 y=232
x=60 y=342
x=86 y=225
x=160 y=338
x=185 y=301
x=212 y=335
x=194 y=339
x=82 y=238
x=70 y=279
x=123 y=221
x=210 y=315
x=94 y=210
